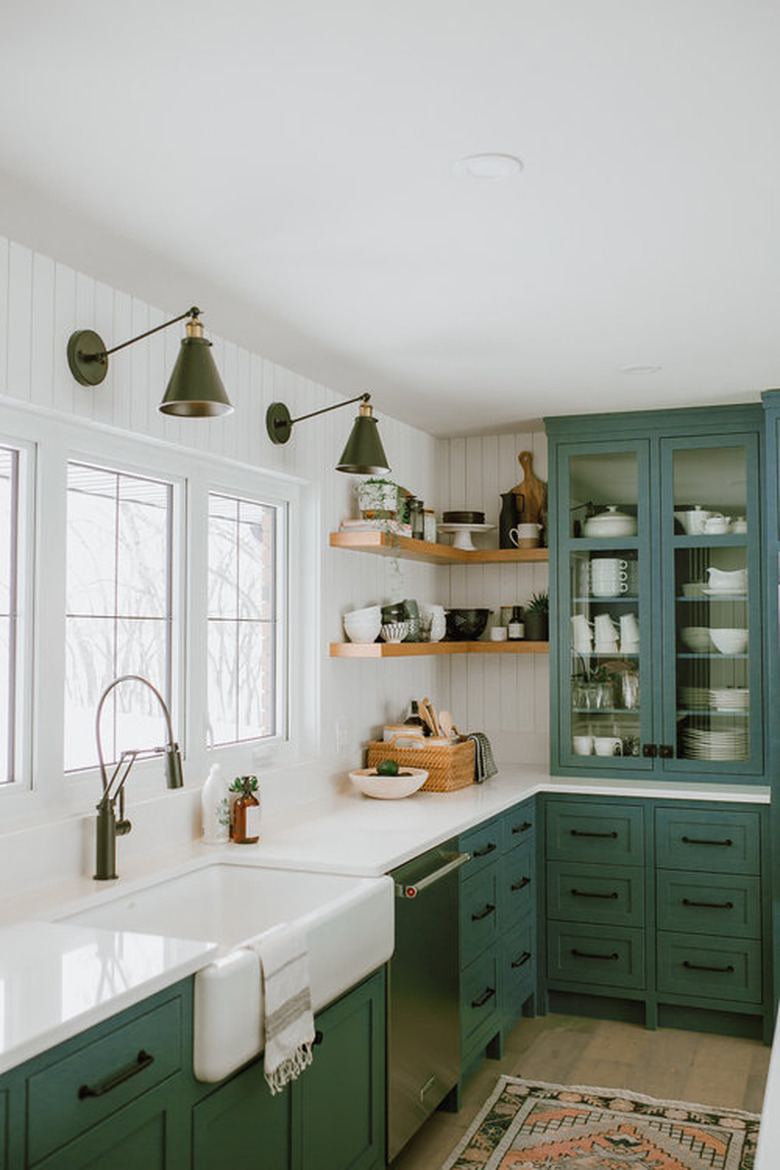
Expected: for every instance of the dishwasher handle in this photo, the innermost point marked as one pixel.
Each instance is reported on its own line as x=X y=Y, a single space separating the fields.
x=411 y=891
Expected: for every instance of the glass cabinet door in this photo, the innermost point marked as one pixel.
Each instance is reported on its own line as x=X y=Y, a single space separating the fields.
x=711 y=669
x=604 y=581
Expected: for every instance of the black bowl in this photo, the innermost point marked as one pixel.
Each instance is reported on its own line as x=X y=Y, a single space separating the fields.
x=466 y=625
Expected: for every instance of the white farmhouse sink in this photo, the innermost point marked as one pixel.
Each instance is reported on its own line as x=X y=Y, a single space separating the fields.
x=348 y=923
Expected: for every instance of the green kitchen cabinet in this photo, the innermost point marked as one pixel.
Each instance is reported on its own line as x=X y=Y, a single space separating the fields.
x=3 y=1126
x=659 y=911
x=656 y=599
x=331 y=1116
x=771 y=402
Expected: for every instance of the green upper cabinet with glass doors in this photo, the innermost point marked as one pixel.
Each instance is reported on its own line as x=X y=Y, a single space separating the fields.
x=655 y=569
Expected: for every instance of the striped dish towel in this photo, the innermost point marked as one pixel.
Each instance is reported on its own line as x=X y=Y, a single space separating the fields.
x=484 y=764
x=289 y=1021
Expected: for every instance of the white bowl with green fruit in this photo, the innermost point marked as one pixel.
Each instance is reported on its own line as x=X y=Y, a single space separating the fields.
x=388 y=780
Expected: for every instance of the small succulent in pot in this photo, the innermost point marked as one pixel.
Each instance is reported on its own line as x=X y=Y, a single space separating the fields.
x=537 y=617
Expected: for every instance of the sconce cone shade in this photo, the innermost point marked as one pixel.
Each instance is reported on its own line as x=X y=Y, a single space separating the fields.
x=364 y=453
x=195 y=388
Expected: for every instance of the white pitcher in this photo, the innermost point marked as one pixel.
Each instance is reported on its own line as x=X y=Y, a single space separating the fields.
x=733 y=581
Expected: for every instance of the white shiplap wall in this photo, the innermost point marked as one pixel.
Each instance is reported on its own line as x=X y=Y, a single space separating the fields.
x=42 y=302
x=503 y=695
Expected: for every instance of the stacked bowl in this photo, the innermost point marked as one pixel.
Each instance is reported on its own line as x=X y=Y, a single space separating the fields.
x=363 y=625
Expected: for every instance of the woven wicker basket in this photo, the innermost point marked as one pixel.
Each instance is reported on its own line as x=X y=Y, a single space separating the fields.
x=449 y=766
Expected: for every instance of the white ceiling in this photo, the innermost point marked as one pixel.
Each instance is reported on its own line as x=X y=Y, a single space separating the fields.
x=287 y=165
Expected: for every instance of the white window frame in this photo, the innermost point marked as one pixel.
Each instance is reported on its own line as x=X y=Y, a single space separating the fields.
x=22 y=673
x=44 y=791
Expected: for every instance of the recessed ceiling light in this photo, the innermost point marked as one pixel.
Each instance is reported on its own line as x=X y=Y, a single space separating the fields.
x=640 y=369
x=488 y=166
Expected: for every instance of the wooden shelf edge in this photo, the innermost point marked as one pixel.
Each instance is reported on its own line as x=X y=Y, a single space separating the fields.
x=386 y=545
x=418 y=649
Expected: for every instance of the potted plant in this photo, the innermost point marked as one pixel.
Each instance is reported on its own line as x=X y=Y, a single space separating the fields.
x=378 y=499
x=537 y=617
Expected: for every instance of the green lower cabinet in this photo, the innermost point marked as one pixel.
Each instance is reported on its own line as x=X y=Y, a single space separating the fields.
x=3 y=1129
x=605 y=959
x=711 y=903
x=610 y=894
x=241 y=1125
x=518 y=972
x=707 y=968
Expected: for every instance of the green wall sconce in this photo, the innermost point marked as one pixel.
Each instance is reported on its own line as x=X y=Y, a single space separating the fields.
x=363 y=454
x=195 y=388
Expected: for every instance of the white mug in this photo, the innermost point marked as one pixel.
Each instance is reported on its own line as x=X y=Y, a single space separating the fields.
x=608 y=587
x=604 y=627
x=608 y=745
x=629 y=628
x=525 y=535
x=498 y=634
x=583 y=745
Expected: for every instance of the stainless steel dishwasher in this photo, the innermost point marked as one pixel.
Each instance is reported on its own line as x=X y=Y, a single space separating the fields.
x=423 y=1004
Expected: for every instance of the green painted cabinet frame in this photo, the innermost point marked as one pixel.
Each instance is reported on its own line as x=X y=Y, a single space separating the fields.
x=652 y=438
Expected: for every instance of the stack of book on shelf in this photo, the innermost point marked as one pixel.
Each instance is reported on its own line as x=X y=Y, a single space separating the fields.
x=396 y=527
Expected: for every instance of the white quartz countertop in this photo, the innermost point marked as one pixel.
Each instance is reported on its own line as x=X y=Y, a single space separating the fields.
x=57 y=979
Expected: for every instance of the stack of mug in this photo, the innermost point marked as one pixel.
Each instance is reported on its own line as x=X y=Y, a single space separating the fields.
x=612 y=576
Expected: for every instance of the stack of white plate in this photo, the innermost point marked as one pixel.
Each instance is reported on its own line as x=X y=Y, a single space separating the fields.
x=715 y=745
x=694 y=698
x=730 y=698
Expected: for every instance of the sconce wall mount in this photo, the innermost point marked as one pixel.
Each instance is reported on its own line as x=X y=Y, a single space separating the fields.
x=195 y=388
x=363 y=454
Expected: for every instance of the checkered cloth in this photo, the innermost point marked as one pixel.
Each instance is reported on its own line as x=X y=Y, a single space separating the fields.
x=484 y=764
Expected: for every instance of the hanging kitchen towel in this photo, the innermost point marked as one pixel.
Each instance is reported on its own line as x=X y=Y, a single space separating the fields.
x=289 y=1022
x=484 y=764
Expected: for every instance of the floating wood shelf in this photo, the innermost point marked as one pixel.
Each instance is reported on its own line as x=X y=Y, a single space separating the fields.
x=385 y=544
x=417 y=649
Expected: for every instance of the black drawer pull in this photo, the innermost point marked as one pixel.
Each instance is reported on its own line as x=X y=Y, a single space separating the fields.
x=526 y=955
x=142 y=1061
x=582 y=833
x=523 y=828
x=484 y=913
x=729 y=970
x=591 y=894
x=489 y=848
x=526 y=881
x=709 y=905
x=704 y=841
x=585 y=955
x=318 y=1037
x=481 y=1000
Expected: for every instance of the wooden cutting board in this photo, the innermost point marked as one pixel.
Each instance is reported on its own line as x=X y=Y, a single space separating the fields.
x=531 y=494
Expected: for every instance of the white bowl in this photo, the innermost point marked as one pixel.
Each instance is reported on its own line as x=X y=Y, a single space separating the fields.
x=388 y=787
x=730 y=641
x=610 y=523
x=697 y=639
x=394 y=631
x=362 y=626
x=367 y=611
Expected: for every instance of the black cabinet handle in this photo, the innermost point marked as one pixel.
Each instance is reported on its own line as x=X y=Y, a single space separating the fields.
x=709 y=905
x=666 y=751
x=526 y=881
x=142 y=1061
x=704 y=841
x=318 y=1037
x=526 y=955
x=489 y=848
x=585 y=955
x=484 y=913
x=592 y=894
x=582 y=833
x=729 y=970
x=649 y=751
x=522 y=828
x=481 y=1000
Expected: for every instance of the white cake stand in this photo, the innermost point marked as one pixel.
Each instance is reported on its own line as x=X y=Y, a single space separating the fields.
x=463 y=532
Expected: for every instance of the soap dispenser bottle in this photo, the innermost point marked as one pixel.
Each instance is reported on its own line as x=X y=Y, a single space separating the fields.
x=246 y=811
x=215 y=808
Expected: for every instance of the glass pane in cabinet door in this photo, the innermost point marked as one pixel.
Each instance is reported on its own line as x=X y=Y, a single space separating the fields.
x=711 y=591
x=603 y=496
x=606 y=682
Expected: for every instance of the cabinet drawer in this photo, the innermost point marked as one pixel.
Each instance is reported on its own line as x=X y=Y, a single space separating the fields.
x=592 y=831
x=709 y=967
x=478 y=913
x=721 y=841
x=517 y=872
x=612 y=894
x=485 y=844
x=518 y=967
x=519 y=823
x=478 y=1002
x=612 y=958
x=712 y=904
x=81 y=1089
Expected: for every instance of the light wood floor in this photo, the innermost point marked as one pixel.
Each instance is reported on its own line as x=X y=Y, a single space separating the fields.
x=567 y=1050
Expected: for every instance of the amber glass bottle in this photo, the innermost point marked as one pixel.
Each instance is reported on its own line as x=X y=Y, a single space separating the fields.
x=245 y=827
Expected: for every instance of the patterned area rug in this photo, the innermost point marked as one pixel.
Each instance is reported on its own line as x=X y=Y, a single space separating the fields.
x=530 y=1125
